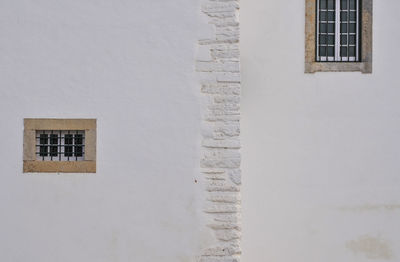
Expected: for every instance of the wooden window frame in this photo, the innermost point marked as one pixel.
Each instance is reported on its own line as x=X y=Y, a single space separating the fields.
x=31 y=165
x=364 y=66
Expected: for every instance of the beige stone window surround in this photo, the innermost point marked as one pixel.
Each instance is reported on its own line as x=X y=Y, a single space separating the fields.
x=32 y=165
x=312 y=66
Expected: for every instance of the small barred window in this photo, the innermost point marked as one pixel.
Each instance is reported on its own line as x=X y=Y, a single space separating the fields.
x=60 y=145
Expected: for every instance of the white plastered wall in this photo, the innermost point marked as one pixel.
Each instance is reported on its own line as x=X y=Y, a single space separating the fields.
x=320 y=151
x=131 y=65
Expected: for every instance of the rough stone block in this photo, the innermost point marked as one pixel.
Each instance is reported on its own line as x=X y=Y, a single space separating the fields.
x=220 y=7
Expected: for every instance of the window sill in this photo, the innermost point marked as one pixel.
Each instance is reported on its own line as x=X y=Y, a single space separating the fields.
x=364 y=67
x=59 y=167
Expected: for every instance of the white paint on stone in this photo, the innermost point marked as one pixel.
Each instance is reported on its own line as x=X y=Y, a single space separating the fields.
x=220 y=85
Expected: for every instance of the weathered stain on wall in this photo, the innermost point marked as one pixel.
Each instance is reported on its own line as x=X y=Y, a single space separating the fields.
x=371 y=207
x=371 y=247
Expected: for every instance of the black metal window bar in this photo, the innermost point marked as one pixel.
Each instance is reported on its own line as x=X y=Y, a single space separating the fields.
x=338 y=30
x=60 y=145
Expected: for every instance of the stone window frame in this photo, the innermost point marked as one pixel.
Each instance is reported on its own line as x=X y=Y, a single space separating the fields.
x=32 y=165
x=365 y=66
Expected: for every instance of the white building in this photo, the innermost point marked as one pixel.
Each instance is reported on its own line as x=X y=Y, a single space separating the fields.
x=159 y=84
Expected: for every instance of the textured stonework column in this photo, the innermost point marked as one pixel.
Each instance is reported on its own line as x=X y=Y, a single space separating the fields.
x=218 y=65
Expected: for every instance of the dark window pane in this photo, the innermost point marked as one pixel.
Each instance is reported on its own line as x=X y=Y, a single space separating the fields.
x=322 y=39
x=352 y=27
x=322 y=27
x=322 y=51
x=68 y=151
x=331 y=16
x=343 y=16
x=322 y=16
x=331 y=51
x=53 y=139
x=78 y=142
x=343 y=28
x=353 y=4
x=343 y=39
x=53 y=151
x=343 y=4
x=331 y=28
x=352 y=51
x=331 y=40
x=78 y=139
x=322 y=4
x=343 y=51
x=331 y=4
x=68 y=139
x=353 y=16
x=78 y=151
x=43 y=151
x=43 y=139
x=352 y=39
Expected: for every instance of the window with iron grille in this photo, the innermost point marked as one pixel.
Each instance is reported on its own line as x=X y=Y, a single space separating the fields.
x=338 y=27
x=60 y=145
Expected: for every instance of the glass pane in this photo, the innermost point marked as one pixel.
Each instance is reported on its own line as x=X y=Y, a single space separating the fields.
x=322 y=4
x=43 y=139
x=343 y=28
x=68 y=151
x=331 y=51
x=322 y=39
x=352 y=28
x=352 y=51
x=331 y=4
x=353 y=16
x=331 y=16
x=343 y=16
x=352 y=4
x=68 y=139
x=53 y=139
x=322 y=27
x=53 y=151
x=322 y=16
x=322 y=51
x=343 y=39
x=343 y=51
x=331 y=28
x=78 y=151
x=78 y=140
x=331 y=39
x=352 y=39
x=343 y=4
x=43 y=151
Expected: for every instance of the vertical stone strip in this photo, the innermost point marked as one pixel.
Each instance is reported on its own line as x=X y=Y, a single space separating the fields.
x=218 y=65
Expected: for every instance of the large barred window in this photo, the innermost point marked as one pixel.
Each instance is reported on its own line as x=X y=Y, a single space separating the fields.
x=338 y=36
x=338 y=30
